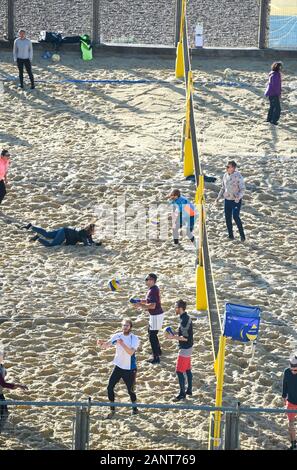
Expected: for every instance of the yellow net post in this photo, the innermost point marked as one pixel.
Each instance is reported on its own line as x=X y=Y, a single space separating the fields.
x=180 y=61
x=188 y=147
x=219 y=371
x=201 y=297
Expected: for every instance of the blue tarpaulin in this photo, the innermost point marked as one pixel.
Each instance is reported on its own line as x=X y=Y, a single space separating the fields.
x=241 y=322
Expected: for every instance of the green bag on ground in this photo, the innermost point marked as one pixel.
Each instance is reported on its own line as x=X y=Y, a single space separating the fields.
x=86 y=47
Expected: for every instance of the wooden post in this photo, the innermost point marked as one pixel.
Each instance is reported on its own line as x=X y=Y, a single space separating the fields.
x=232 y=431
x=263 y=18
x=95 y=22
x=81 y=441
x=232 y=441
x=10 y=21
x=178 y=11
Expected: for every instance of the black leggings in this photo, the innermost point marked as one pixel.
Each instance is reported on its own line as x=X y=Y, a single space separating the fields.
x=154 y=340
x=128 y=376
x=179 y=224
x=27 y=63
x=232 y=209
x=274 y=109
x=2 y=190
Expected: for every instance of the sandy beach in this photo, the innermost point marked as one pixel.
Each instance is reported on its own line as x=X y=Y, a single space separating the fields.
x=75 y=146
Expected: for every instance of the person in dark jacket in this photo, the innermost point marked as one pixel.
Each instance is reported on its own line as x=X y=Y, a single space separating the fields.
x=273 y=92
x=185 y=344
x=152 y=303
x=65 y=235
x=290 y=396
x=4 y=384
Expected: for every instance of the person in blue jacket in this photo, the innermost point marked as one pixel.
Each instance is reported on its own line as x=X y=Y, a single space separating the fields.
x=66 y=235
x=185 y=215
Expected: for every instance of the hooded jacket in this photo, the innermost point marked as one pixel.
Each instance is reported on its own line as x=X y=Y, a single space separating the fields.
x=274 y=87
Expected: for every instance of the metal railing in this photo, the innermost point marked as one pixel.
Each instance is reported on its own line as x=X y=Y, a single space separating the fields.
x=241 y=426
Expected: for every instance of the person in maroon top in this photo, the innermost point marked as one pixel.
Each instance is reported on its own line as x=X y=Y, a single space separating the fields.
x=152 y=303
x=4 y=384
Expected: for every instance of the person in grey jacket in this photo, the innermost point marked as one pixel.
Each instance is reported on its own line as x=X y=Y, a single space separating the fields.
x=232 y=190
x=23 y=55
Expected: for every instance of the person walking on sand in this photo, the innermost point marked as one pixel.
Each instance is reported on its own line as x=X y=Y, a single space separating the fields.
x=3 y=384
x=185 y=215
x=152 y=303
x=273 y=92
x=23 y=56
x=232 y=190
x=4 y=164
x=66 y=235
x=185 y=344
x=126 y=344
x=290 y=396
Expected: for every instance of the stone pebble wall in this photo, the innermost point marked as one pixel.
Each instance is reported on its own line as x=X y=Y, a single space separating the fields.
x=3 y=14
x=71 y=17
x=227 y=23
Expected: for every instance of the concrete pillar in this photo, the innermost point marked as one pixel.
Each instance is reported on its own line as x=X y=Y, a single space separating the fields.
x=95 y=22
x=10 y=20
x=263 y=23
x=178 y=11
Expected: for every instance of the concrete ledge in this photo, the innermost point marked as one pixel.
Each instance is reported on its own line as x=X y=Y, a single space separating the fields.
x=168 y=51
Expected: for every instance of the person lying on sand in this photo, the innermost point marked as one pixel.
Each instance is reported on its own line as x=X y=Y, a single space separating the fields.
x=66 y=235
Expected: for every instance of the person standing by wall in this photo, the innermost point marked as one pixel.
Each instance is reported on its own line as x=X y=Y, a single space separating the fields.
x=126 y=344
x=4 y=164
x=232 y=190
x=273 y=92
x=290 y=396
x=23 y=56
x=185 y=344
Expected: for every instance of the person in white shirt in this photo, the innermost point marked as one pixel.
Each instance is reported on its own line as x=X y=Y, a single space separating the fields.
x=126 y=344
x=232 y=190
x=23 y=56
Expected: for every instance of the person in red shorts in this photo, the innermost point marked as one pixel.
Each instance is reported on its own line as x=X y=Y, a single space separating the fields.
x=290 y=396
x=185 y=344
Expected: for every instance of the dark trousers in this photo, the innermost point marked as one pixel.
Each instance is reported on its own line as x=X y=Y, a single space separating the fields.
x=232 y=210
x=178 y=225
x=21 y=63
x=128 y=376
x=154 y=340
x=2 y=190
x=3 y=413
x=274 y=110
x=57 y=236
x=181 y=380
